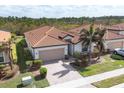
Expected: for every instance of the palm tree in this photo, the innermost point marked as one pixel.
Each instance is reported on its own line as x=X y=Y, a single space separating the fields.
x=88 y=37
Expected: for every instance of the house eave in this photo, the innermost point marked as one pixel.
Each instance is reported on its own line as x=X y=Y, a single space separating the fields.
x=49 y=46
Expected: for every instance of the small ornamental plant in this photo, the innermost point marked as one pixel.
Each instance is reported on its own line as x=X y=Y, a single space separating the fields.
x=43 y=72
x=38 y=62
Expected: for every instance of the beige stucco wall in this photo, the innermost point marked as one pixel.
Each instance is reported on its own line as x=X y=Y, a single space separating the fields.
x=112 y=44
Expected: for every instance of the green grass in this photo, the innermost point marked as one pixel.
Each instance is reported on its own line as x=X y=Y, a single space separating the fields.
x=109 y=82
x=16 y=82
x=118 y=57
x=98 y=68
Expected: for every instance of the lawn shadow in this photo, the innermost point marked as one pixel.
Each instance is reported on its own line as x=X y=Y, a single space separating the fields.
x=33 y=68
x=38 y=77
x=20 y=86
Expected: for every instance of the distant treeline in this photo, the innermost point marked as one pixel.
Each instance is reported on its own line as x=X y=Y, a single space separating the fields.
x=20 y=25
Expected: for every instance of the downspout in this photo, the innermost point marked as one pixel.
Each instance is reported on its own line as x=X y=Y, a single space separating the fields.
x=33 y=53
x=73 y=50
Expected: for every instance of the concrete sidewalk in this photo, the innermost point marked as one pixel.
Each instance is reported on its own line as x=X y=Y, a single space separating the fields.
x=88 y=80
x=118 y=86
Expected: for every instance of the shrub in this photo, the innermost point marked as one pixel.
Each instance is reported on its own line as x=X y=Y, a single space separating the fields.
x=38 y=62
x=27 y=54
x=77 y=55
x=23 y=42
x=43 y=72
x=14 y=53
x=29 y=62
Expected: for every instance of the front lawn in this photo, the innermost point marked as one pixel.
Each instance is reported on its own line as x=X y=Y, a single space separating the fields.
x=109 y=82
x=16 y=82
x=107 y=64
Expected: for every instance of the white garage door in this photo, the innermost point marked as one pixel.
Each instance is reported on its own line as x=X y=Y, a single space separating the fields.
x=52 y=54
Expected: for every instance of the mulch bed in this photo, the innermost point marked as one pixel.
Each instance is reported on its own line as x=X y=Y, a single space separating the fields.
x=8 y=73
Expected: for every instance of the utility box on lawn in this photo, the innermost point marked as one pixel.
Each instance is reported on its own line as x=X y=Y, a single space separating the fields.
x=27 y=80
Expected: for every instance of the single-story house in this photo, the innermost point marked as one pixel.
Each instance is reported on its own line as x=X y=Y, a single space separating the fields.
x=4 y=53
x=113 y=40
x=114 y=36
x=49 y=43
x=118 y=28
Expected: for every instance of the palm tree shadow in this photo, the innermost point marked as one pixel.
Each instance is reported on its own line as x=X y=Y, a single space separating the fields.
x=62 y=73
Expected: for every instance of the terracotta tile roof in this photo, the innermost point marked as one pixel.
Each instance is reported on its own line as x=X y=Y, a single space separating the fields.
x=49 y=41
x=78 y=29
x=44 y=36
x=34 y=36
x=117 y=27
x=4 y=36
x=109 y=35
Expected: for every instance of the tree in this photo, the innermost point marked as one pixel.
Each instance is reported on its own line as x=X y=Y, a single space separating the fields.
x=90 y=37
x=7 y=49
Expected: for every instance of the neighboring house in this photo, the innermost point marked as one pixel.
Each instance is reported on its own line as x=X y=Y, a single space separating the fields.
x=4 y=53
x=118 y=28
x=49 y=43
x=113 y=40
x=87 y=27
x=114 y=36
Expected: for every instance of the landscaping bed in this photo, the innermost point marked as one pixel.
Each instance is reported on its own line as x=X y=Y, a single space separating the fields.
x=16 y=82
x=23 y=59
x=109 y=82
x=108 y=64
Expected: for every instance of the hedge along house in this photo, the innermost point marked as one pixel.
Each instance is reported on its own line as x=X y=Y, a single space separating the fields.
x=50 y=43
x=4 y=47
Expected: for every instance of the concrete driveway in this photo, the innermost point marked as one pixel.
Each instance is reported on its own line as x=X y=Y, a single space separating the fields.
x=59 y=72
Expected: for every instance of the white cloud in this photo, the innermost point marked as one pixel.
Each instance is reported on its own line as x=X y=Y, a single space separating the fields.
x=60 y=11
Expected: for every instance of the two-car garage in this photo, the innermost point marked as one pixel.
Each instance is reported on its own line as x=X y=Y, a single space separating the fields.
x=51 y=53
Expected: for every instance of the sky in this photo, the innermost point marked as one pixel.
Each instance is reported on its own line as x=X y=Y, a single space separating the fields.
x=58 y=11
